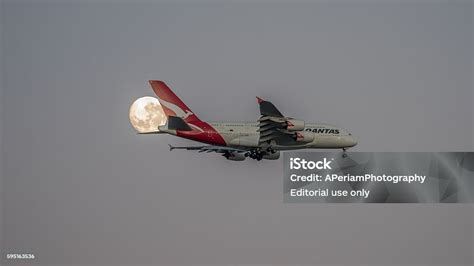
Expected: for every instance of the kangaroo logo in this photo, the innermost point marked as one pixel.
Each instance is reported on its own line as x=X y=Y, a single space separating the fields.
x=176 y=109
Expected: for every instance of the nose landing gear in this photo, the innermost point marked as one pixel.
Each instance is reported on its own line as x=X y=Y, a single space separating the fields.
x=344 y=154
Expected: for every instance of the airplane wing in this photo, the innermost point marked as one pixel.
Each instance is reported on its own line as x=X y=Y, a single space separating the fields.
x=273 y=125
x=268 y=109
x=209 y=148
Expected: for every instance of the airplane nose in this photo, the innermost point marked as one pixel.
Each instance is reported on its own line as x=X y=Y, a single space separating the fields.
x=351 y=141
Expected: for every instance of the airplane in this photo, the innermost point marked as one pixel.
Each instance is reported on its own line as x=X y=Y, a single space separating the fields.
x=264 y=139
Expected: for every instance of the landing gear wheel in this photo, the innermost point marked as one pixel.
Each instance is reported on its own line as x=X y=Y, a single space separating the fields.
x=251 y=154
x=344 y=154
x=271 y=150
x=256 y=154
x=226 y=155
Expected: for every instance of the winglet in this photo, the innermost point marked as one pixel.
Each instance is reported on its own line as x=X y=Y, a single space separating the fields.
x=268 y=109
x=171 y=147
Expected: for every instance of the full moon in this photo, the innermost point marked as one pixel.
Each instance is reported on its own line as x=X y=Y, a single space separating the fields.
x=146 y=114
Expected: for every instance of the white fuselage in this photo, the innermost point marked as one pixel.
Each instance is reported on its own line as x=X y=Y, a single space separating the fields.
x=245 y=134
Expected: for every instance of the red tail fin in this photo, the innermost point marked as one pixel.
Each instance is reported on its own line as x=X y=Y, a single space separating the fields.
x=172 y=105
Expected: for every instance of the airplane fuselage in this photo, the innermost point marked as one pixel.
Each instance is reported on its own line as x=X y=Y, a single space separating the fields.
x=246 y=135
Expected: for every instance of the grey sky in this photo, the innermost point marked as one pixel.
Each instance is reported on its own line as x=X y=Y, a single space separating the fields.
x=81 y=187
x=1 y=128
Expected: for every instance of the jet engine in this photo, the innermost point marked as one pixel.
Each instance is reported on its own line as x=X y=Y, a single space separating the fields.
x=234 y=156
x=303 y=136
x=272 y=156
x=294 y=125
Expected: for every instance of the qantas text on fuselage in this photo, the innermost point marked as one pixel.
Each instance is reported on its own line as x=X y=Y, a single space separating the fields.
x=263 y=139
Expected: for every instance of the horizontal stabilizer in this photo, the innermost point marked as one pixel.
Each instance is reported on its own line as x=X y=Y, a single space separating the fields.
x=177 y=123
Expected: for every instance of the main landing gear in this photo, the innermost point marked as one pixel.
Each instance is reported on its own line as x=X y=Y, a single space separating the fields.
x=226 y=154
x=258 y=153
